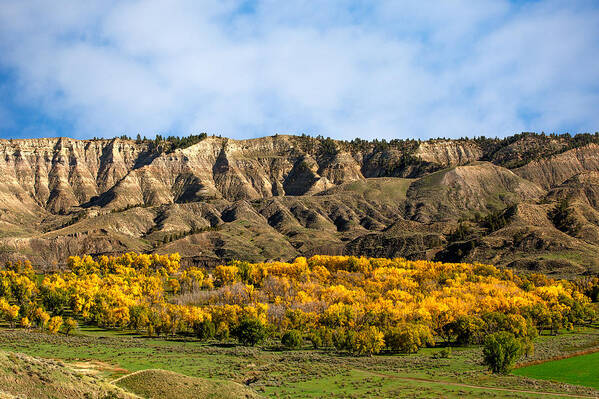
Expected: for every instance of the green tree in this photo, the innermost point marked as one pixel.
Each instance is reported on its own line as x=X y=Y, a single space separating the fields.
x=501 y=351
x=321 y=338
x=292 y=339
x=466 y=329
x=316 y=340
x=204 y=329
x=563 y=218
x=249 y=332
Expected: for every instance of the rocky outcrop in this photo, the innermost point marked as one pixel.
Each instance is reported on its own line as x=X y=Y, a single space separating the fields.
x=283 y=196
x=557 y=169
x=59 y=174
x=449 y=153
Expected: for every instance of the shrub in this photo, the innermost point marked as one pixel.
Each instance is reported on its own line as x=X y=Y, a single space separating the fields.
x=501 y=351
x=316 y=340
x=69 y=325
x=54 y=324
x=249 y=332
x=292 y=339
x=445 y=353
x=409 y=338
x=367 y=341
x=204 y=329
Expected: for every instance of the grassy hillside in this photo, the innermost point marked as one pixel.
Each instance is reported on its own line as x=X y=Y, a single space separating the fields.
x=24 y=376
x=30 y=377
x=162 y=384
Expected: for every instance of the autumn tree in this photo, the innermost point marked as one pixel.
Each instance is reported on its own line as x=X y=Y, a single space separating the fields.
x=354 y=304
x=25 y=323
x=41 y=318
x=9 y=312
x=70 y=324
x=366 y=341
x=408 y=337
x=54 y=324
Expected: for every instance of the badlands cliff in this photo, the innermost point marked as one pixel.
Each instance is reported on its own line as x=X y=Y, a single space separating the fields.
x=280 y=197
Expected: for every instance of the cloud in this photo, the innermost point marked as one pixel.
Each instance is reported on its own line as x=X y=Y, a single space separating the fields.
x=342 y=68
x=5 y=119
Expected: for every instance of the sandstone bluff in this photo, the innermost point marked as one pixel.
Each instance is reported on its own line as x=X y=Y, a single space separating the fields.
x=528 y=201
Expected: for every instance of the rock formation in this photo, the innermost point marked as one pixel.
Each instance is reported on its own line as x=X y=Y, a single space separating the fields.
x=285 y=196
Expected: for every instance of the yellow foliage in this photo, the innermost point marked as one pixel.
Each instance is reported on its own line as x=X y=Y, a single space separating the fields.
x=365 y=295
x=226 y=274
x=54 y=324
x=25 y=323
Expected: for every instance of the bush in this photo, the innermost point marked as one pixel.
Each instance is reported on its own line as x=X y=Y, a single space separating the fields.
x=292 y=339
x=409 y=338
x=204 y=329
x=316 y=340
x=249 y=332
x=444 y=353
x=366 y=341
x=70 y=324
x=501 y=351
x=54 y=324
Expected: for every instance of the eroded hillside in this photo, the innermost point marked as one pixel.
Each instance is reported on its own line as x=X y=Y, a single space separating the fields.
x=500 y=201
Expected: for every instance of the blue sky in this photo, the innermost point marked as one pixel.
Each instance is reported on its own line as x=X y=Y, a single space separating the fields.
x=345 y=69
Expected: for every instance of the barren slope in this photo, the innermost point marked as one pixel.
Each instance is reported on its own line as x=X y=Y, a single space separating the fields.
x=284 y=196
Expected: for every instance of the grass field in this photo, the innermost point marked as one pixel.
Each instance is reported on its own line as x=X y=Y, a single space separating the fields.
x=272 y=372
x=577 y=370
x=159 y=384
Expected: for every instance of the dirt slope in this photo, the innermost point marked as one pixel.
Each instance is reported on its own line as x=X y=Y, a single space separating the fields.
x=280 y=197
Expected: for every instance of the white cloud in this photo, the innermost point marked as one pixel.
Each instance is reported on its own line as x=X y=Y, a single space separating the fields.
x=344 y=69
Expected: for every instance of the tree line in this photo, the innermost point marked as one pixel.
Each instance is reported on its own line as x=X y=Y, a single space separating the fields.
x=357 y=305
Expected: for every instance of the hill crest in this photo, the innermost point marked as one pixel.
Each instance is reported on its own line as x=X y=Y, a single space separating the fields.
x=283 y=196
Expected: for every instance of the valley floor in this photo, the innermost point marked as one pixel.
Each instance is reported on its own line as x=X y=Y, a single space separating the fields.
x=272 y=372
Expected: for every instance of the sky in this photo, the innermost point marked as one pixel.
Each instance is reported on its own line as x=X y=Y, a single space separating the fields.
x=344 y=69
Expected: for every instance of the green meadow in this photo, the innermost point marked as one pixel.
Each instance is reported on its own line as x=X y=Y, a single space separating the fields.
x=577 y=370
x=271 y=371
